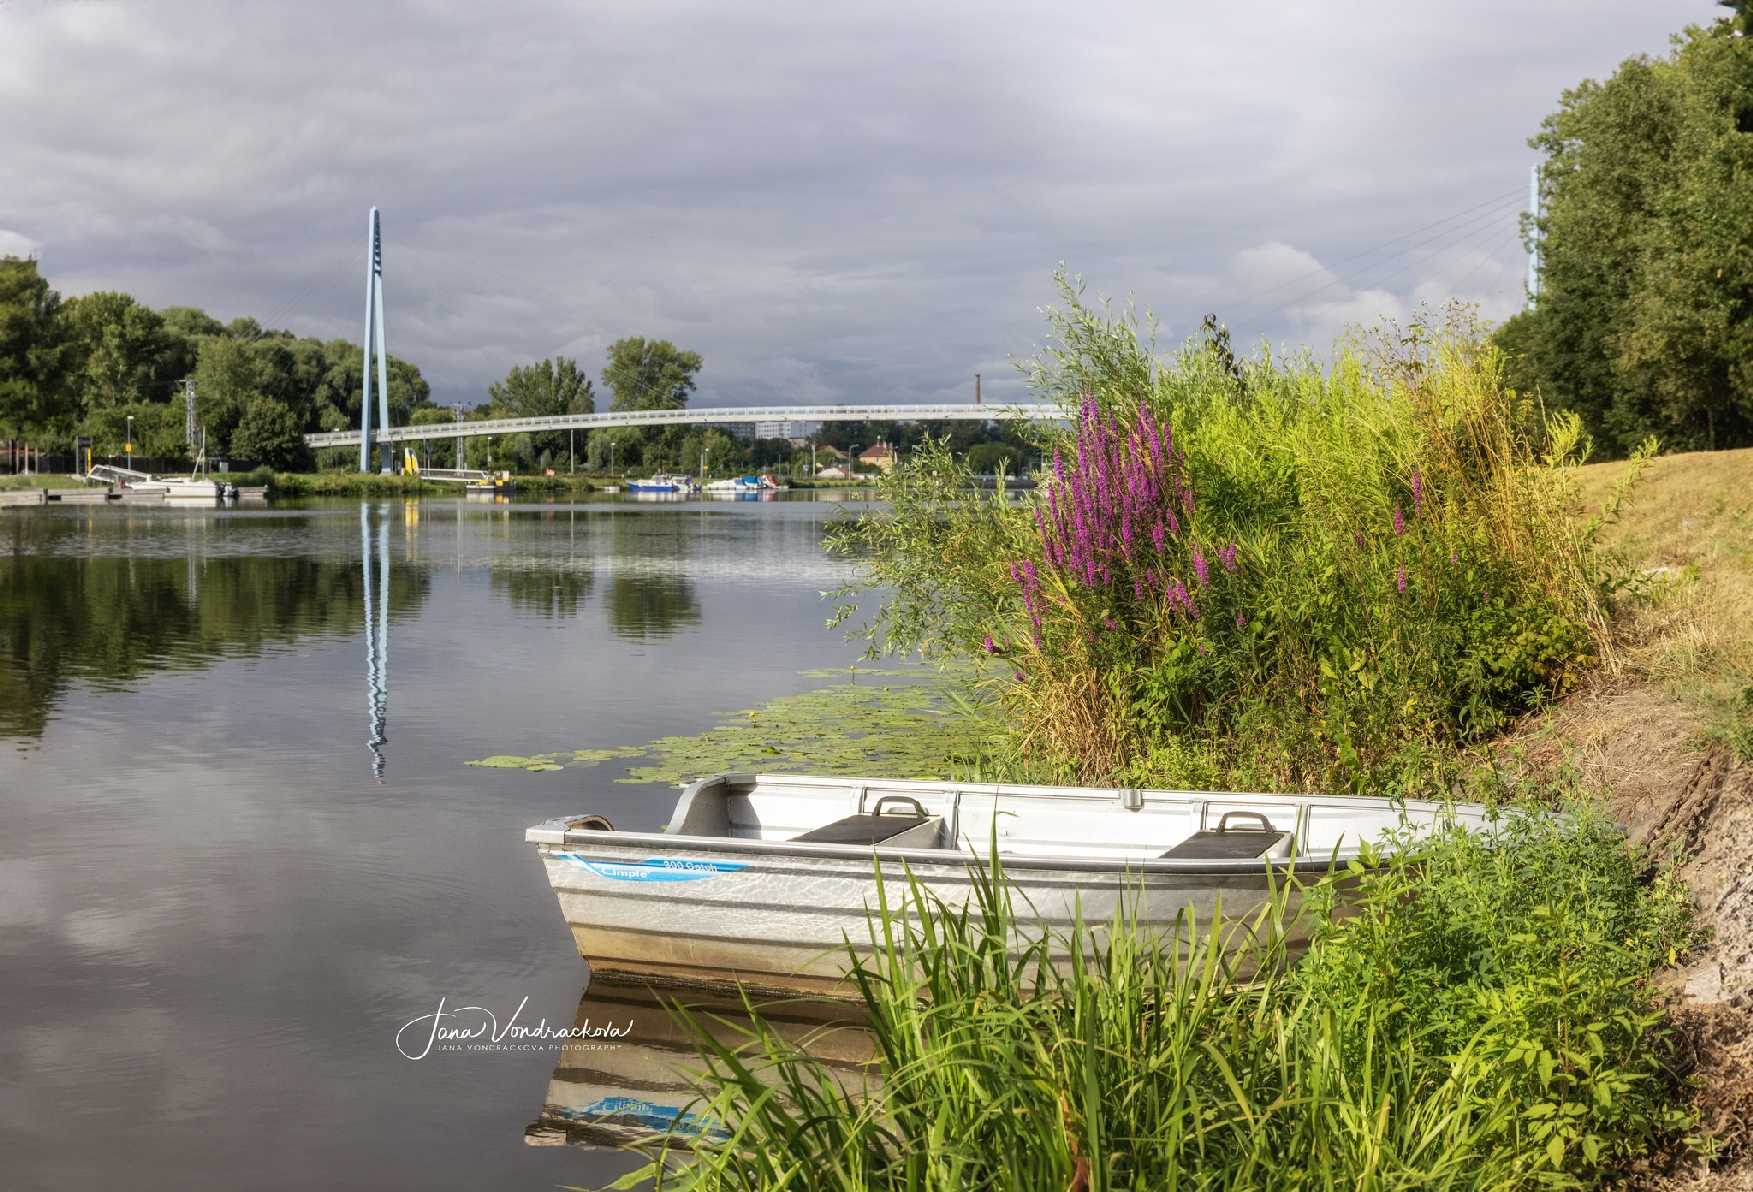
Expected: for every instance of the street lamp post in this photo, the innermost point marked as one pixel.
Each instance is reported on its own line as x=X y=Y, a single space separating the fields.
x=128 y=441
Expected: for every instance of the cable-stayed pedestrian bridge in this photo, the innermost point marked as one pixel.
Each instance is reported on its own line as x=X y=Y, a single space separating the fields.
x=705 y=416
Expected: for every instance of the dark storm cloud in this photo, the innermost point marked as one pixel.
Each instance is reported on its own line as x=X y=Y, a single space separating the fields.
x=828 y=202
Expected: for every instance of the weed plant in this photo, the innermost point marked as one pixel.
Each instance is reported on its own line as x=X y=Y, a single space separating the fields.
x=1259 y=574
x=1484 y=1020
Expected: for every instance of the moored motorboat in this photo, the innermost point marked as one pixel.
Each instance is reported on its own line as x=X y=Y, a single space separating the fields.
x=661 y=483
x=762 y=879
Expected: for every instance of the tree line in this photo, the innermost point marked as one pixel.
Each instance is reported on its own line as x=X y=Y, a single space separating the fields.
x=1643 y=321
x=99 y=364
x=87 y=365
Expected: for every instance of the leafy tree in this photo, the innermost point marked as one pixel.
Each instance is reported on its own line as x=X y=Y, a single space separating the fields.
x=269 y=433
x=157 y=427
x=32 y=352
x=543 y=389
x=121 y=352
x=1644 y=322
x=616 y=448
x=650 y=374
x=984 y=459
x=228 y=377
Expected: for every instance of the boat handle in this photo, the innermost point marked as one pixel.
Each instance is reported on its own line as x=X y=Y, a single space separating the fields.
x=1224 y=819
x=907 y=799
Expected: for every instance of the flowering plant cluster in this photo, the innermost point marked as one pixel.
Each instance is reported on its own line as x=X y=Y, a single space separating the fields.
x=1117 y=520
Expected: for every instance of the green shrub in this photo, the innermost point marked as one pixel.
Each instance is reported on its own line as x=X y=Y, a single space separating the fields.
x=1421 y=1045
x=1254 y=574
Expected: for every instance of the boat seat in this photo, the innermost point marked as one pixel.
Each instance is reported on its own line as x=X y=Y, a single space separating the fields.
x=1225 y=843
x=877 y=828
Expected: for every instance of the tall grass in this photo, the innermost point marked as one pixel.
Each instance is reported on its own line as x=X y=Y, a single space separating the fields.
x=1256 y=574
x=1421 y=1044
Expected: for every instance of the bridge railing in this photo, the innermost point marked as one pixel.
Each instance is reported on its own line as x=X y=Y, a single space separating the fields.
x=920 y=412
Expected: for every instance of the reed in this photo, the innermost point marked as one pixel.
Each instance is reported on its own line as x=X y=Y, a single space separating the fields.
x=1419 y=1044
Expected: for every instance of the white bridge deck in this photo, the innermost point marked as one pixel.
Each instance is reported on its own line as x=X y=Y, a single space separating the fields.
x=720 y=415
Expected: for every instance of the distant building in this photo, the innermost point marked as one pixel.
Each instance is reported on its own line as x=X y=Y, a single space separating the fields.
x=832 y=473
x=880 y=457
x=787 y=428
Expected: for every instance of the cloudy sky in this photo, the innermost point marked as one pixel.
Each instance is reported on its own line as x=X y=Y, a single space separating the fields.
x=829 y=202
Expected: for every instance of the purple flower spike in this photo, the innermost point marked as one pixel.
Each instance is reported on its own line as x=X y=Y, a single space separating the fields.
x=1400 y=580
x=1227 y=556
x=988 y=645
x=1241 y=621
x=1201 y=568
x=1399 y=522
x=1359 y=539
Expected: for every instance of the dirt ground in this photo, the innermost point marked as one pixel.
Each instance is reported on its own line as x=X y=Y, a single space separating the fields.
x=1666 y=735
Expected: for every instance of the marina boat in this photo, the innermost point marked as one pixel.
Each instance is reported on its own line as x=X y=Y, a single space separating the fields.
x=193 y=488
x=761 y=879
x=749 y=485
x=661 y=483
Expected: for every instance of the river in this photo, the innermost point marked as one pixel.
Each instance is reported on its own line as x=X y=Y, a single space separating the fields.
x=240 y=847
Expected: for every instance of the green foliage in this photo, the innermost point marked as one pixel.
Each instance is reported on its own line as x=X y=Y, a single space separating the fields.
x=650 y=374
x=121 y=352
x=269 y=434
x=1644 y=323
x=1371 y=564
x=541 y=390
x=1420 y=1046
x=544 y=389
x=84 y=365
x=32 y=351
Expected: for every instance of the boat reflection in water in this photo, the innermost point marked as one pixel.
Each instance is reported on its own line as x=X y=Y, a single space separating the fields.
x=637 y=1086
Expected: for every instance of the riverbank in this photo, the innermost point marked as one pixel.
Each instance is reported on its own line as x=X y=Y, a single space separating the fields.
x=1662 y=733
x=348 y=484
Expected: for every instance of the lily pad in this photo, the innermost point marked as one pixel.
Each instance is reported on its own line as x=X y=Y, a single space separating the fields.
x=893 y=723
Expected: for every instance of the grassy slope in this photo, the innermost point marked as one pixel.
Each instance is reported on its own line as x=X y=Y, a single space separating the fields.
x=1666 y=732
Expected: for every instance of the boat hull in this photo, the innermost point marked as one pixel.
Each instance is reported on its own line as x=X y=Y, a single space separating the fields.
x=771 y=881
x=719 y=917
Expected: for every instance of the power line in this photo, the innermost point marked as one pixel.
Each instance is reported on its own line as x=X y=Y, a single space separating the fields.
x=1442 y=240
x=1249 y=300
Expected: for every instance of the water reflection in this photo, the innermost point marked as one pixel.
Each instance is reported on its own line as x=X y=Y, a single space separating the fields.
x=636 y=1087
x=111 y=597
x=646 y=607
x=376 y=549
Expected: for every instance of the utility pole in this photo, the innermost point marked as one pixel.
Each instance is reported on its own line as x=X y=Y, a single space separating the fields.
x=572 y=450
x=976 y=388
x=460 y=464
x=188 y=411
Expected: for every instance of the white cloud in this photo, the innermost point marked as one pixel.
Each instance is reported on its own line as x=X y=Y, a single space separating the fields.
x=17 y=244
x=856 y=203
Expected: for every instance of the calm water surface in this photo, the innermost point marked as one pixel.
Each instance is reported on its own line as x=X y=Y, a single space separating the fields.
x=239 y=847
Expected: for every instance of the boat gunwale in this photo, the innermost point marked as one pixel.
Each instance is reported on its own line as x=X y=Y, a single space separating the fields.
x=670 y=841
x=947 y=857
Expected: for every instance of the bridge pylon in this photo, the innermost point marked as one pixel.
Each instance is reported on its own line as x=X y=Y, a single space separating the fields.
x=373 y=339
